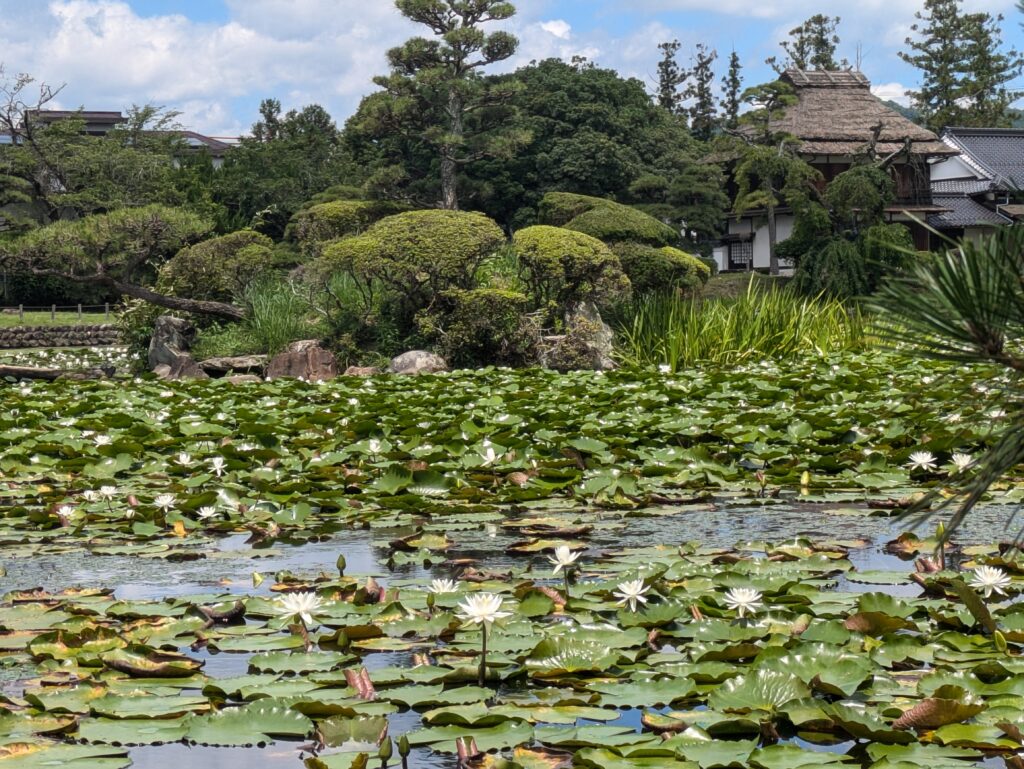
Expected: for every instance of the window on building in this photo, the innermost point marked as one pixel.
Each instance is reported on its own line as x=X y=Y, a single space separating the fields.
x=741 y=255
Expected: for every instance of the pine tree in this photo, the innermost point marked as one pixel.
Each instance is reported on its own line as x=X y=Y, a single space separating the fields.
x=988 y=71
x=732 y=88
x=939 y=52
x=670 y=78
x=812 y=45
x=703 y=113
x=436 y=88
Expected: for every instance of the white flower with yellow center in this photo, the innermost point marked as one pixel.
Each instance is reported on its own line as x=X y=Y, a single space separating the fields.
x=564 y=558
x=206 y=512
x=988 y=580
x=743 y=600
x=301 y=605
x=961 y=462
x=218 y=464
x=165 y=502
x=482 y=609
x=631 y=593
x=439 y=586
x=922 y=460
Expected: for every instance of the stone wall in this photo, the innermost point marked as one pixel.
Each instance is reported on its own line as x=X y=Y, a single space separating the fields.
x=59 y=336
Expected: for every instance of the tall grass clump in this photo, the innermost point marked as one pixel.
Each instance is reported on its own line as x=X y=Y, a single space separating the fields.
x=678 y=331
x=278 y=315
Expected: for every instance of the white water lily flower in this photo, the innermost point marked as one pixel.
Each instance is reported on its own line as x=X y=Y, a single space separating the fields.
x=67 y=513
x=489 y=456
x=439 y=586
x=631 y=592
x=988 y=580
x=207 y=512
x=90 y=496
x=564 y=558
x=743 y=600
x=165 y=502
x=218 y=464
x=184 y=459
x=482 y=608
x=922 y=460
x=374 y=446
x=103 y=440
x=108 y=492
x=301 y=605
x=961 y=462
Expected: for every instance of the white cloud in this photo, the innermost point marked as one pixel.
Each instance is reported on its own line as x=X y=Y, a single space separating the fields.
x=557 y=27
x=896 y=92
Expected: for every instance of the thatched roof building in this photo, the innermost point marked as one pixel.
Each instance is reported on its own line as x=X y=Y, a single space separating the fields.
x=836 y=114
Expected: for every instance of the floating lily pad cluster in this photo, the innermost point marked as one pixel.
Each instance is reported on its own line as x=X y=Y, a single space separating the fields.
x=813 y=673
x=151 y=459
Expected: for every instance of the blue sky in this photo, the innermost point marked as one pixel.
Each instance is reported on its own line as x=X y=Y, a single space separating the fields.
x=214 y=60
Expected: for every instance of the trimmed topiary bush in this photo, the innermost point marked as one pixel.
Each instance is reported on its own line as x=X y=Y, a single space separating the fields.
x=655 y=269
x=220 y=269
x=605 y=220
x=319 y=224
x=483 y=326
x=563 y=267
x=417 y=255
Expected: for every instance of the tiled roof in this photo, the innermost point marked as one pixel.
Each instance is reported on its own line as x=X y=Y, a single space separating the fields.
x=961 y=186
x=964 y=212
x=997 y=151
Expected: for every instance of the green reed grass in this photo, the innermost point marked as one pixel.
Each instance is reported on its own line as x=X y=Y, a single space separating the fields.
x=679 y=331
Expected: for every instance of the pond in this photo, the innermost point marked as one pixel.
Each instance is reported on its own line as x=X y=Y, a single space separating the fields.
x=153 y=534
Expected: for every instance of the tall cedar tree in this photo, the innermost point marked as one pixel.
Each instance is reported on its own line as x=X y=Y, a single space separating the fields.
x=702 y=113
x=812 y=45
x=670 y=78
x=989 y=70
x=436 y=85
x=732 y=89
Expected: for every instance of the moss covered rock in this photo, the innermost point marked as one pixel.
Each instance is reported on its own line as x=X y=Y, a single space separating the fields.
x=563 y=267
x=654 y=269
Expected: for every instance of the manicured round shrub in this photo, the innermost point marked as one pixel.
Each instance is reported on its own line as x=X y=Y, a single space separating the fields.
x=219 y=269
x=605 y=220
x=563 y=267
x=560 y=208
x=417 y=254
x=483 y=326
x=319 y=224
x=654 y=269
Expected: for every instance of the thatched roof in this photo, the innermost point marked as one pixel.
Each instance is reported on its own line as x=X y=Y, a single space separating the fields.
x=837 y=114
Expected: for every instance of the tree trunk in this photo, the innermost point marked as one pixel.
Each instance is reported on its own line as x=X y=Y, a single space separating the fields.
x=449 y=163
x=773 y=259
x=216 y=309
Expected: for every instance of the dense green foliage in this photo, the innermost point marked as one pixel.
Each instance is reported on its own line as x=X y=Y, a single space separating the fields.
x=220 y=269
x=563 y=267
x=605 y=220
x=483 y=326
x=319 y=224
x=652 y=269
x=416 y=256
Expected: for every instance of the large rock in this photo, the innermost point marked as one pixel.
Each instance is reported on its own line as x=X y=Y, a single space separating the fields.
x=172 y=337
x=362 y=371
x=185 y=367
x=243 y=379
x=418 y=362
x=588 y=343
x=246 y=364
x=304 y=360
